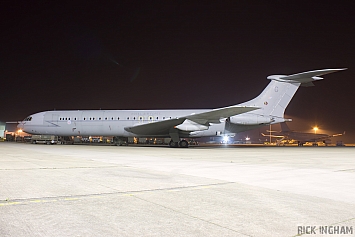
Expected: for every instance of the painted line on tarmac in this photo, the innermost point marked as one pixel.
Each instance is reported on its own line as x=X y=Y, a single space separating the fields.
x=102 y=195
x=346 y=170
x=63 y=168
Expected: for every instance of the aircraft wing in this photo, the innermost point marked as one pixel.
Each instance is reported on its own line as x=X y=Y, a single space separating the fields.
x=310 y=137
x=339 y=134
x=155 y=128
x=326 y=136
x=213 y=116
x=276 y=136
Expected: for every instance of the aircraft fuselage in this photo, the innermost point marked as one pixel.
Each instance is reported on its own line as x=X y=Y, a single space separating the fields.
x=109 y=122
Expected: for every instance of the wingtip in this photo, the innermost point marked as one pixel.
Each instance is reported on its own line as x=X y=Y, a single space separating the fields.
x=333 y=69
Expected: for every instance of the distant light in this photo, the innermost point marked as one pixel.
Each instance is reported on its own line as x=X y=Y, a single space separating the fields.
x=225 y=139
x=20 y=130
x=247 y=138
x=315 y=129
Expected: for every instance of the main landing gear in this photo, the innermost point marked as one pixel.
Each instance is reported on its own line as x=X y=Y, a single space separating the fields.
x=182 y=144
x=175 y=139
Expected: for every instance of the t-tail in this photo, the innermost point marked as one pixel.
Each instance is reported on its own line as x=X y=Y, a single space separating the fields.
x=275 y=98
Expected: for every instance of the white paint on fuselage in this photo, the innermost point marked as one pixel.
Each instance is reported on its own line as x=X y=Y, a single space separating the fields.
x=106 y=122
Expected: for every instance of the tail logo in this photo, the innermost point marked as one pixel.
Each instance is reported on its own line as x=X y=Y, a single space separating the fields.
x=265 y=103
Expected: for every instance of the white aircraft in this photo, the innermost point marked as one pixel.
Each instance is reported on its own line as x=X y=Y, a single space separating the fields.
x=267 y=108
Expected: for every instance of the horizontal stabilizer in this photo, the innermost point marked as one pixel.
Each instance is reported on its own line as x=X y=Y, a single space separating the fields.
x=305 y=78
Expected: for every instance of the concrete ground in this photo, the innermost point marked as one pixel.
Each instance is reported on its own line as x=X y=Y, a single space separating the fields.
x=83 y=190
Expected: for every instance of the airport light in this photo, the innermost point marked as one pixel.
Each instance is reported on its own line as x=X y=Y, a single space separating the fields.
x=225 y=139
x=315 y=130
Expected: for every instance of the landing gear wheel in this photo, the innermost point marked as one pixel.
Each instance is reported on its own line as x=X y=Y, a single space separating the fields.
x=183 y=144
x=173 y=144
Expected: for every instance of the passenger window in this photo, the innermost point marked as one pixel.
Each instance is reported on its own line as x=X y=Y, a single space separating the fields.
x=118 y=118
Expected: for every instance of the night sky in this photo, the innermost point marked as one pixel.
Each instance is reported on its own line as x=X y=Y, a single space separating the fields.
x=176 y=55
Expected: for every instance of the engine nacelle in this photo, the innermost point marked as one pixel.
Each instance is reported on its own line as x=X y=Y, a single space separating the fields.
x=250 y=120
x=190 y=126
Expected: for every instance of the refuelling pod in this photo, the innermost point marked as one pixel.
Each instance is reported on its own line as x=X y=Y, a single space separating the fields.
x=189 y=125
x=250 y=120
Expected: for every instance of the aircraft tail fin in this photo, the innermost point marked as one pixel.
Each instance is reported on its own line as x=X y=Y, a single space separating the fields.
x=284 y=127
x=277 y=95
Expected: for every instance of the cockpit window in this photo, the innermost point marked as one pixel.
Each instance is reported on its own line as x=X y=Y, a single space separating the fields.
x=28 y=118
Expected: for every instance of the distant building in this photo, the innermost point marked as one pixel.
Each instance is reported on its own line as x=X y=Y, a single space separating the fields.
x=2 y=129
x=11 y=127
x=9 y=131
